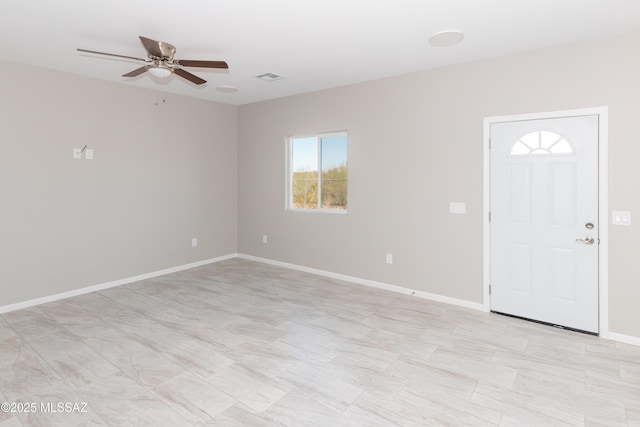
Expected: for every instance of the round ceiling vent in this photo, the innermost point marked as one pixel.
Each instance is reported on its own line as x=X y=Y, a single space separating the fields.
x=446 y=38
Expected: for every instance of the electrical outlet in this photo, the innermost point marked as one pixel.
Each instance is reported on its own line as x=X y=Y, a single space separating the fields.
x=389 y=258
x=194 y=242
x=264 y=238
x=88 y=154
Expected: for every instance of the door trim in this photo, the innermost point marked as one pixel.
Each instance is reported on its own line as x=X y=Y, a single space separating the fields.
x=603 y=202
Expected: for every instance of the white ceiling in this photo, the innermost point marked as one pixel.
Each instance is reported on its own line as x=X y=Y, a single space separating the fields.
x=317 y=44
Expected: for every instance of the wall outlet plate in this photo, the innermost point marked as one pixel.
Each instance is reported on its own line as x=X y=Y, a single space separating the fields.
x=457 y=207
x=621 y=218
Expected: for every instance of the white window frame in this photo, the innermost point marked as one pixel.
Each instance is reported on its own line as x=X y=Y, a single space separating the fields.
x=289 y=173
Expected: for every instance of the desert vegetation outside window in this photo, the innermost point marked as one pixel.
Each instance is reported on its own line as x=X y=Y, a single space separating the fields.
x=318 y=173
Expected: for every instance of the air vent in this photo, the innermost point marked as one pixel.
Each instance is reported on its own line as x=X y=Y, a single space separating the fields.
x=270 y=77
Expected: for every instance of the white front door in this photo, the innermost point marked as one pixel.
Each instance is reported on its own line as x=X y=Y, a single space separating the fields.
x=544 y=220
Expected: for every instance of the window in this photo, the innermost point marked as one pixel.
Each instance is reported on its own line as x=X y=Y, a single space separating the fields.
x=318 y=172
x=541 y=142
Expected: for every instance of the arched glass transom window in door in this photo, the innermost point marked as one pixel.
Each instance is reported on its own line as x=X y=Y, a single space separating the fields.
x=541 y=142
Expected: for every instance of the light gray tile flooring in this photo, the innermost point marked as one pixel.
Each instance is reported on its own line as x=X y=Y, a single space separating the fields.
x=240 y=343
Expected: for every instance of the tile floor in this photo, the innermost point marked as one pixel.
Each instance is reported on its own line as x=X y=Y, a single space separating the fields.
x=241 y=343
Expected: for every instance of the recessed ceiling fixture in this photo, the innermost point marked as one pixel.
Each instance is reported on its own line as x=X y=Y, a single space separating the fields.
x=270 y=77
x=446 y=38
x=227 y=89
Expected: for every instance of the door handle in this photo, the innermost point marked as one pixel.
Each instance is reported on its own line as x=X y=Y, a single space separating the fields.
x=588 y=240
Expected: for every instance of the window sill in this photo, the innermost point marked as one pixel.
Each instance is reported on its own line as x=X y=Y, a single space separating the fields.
x=318 y=211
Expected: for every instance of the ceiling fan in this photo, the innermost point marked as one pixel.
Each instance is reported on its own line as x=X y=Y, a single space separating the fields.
x=160 y=61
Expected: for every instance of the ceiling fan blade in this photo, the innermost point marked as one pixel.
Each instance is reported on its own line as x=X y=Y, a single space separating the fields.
x=202 y=64
x=158 y=49
x=111 y=54
x=136 y=72
x=187 y=75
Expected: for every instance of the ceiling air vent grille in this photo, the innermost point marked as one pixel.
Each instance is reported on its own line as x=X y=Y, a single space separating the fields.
x=270 y=77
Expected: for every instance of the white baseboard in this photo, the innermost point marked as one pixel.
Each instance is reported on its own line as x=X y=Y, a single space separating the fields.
x=371 y=283
x=101 y=286
x=625 y=339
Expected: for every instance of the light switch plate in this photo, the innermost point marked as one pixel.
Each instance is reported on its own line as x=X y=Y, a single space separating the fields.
x=77 y=153
x=621 y=218
x=457 y=207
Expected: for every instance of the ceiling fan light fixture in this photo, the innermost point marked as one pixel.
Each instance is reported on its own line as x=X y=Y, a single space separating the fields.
x=446 y=38
x=160 y=72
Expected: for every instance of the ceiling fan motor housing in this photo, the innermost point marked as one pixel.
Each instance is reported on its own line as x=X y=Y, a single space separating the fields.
x=167 y=50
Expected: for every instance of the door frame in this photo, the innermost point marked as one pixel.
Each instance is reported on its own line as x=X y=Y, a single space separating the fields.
x=603 y=202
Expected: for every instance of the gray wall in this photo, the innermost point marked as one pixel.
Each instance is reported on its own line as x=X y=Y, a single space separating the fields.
x=161 y=175
x=415 y=144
